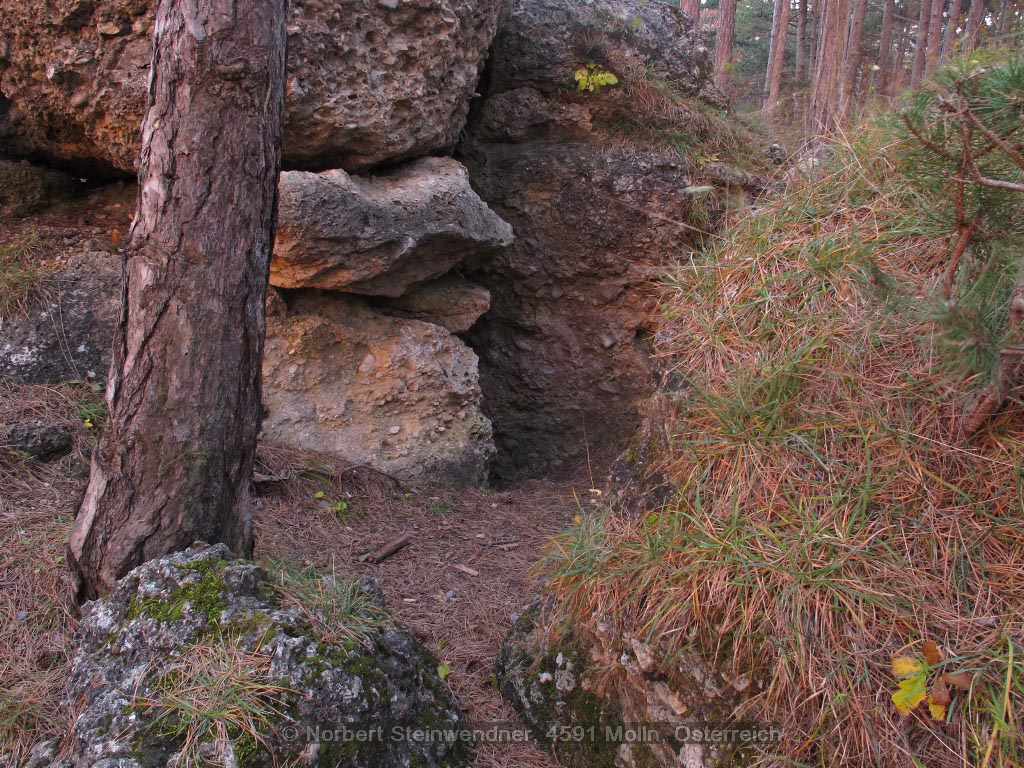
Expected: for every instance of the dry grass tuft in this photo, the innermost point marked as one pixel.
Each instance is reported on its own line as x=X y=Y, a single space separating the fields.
x=37 y=505
x=825 y=518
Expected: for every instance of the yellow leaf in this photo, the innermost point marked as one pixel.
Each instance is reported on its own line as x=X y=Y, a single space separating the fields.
x=937 y=710
x=913 y=685
x=903 y=666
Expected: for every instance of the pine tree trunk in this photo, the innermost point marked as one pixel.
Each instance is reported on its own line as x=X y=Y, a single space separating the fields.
x=691 y=8
x=886 y=56
x=801 y=41
x=974 y=19
x=827 y=91
x=934 y=36
x=921 y=43
x=949 y=41
x=851 y=65
x=776 y=52
x=723 y=44
x=174 y=462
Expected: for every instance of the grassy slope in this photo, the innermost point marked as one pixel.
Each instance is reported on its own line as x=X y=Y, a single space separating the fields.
x=825 y=516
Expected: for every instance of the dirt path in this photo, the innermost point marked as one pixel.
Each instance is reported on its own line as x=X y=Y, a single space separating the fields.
x=462 y=618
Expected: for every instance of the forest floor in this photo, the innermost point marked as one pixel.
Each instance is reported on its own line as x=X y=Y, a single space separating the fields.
x=458 y=585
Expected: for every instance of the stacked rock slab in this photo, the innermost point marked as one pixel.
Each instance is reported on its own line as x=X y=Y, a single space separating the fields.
x=597 y=217
x=389 y=385
x=369 y=81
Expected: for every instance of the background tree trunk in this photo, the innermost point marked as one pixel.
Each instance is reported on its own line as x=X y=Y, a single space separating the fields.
x=723 y=43
x=174 y=462
x=921 y=44
x=934 y=36
x=801 y=41
x=974 y=18
x=827 y=90
x=691 y=8
x=776 y=54
x=949 y=41
x=886 y=56
x=852 y=61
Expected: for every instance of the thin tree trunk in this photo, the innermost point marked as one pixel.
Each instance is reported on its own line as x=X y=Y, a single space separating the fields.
x=921 y=43
x=949 y=41
x=886 y=56
x=724 y=42
x=174 y=462
x=691 y=8
x=776 y=52
x=934 y=36
x=801 y=41
x=974 y=19
x=827 y=90
x=851 y=65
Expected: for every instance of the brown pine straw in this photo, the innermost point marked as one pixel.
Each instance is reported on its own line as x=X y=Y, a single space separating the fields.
x=825 y=516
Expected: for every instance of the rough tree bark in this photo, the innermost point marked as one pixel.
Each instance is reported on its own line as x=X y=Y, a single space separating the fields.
x=801 y=41
x=921 y=43
x=934 y=36
x=776 y=53
x=174 y=462
x=949 y=41
x=724 y=41
x=691 y=8
x=975 y=16
x=826 y=94
x=851 y=65
x=886 y=57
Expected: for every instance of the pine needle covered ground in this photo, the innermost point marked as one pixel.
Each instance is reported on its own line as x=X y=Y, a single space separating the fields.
x=829 y=514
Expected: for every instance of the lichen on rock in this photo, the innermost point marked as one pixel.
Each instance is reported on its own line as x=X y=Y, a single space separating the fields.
x=196 y=655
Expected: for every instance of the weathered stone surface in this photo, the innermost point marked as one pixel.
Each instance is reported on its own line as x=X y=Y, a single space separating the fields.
x=598 y=681
x=368 y=81
x=451 y=301
x=40 y=440
x=170 y=616
x=28 y=188
x=69 y=336
x=399 y=395
x=378 y=235
x=544 y=42
x=597 y=217
x=564 y=347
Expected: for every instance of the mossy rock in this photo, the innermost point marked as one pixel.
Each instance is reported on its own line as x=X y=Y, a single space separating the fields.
x=184 y=634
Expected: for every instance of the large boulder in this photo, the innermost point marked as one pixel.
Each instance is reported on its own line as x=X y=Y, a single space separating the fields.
x=379 y=235
x=451 y=301
x=399 y=395
x=598 y=208
x=197 y=658
x=369 y=81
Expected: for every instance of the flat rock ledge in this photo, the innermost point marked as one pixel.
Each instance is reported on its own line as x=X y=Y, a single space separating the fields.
x=202 y=631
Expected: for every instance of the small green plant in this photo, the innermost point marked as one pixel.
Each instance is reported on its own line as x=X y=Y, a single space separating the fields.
x=217 y=694
x=592 y=77
x=338 y=608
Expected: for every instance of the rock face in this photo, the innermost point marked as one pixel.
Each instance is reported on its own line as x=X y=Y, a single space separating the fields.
x=368 y=82
x=379 y=235
x=451 y=301
x=177 y=622
x=399 y=395
x=600 y=682
x=564 y=347
x=68 y=337
x=27 y=188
